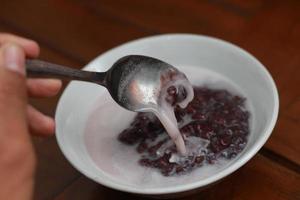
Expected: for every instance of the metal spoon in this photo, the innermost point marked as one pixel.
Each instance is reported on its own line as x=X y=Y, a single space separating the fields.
x=133 y=81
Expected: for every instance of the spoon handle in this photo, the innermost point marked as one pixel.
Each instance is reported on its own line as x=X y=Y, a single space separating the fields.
x=38 y=68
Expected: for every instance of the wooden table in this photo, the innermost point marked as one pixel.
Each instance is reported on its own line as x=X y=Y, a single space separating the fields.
x=74 y=32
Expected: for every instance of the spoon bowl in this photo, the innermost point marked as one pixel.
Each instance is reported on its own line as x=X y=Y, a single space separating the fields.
x=135 y=81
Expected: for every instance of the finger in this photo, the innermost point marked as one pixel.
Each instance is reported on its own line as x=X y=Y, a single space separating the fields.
x=43 y=87
x=30 y=47
x=39 y=124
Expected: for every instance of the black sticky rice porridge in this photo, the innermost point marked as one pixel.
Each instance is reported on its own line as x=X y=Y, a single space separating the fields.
x=215 y=124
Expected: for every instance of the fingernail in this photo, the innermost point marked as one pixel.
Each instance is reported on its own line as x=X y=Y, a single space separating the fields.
x=13 y=59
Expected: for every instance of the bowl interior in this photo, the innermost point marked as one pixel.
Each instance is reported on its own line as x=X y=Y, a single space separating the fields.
x=87 y=108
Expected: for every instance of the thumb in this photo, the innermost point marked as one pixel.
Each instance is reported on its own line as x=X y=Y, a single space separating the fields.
x=17 y=158
x=13 y=97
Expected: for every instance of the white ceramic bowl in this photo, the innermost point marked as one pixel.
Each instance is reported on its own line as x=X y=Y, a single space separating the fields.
x=192 y=54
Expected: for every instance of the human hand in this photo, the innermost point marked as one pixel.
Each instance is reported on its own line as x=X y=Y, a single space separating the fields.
x=18 y=119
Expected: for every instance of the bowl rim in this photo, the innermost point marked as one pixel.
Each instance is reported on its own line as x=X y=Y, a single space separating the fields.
x=190 y=186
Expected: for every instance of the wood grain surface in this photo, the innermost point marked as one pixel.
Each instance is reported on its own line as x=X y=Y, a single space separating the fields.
x=72 y=32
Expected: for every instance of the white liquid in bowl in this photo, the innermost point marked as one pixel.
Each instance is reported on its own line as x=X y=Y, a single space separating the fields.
x=120 y=161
